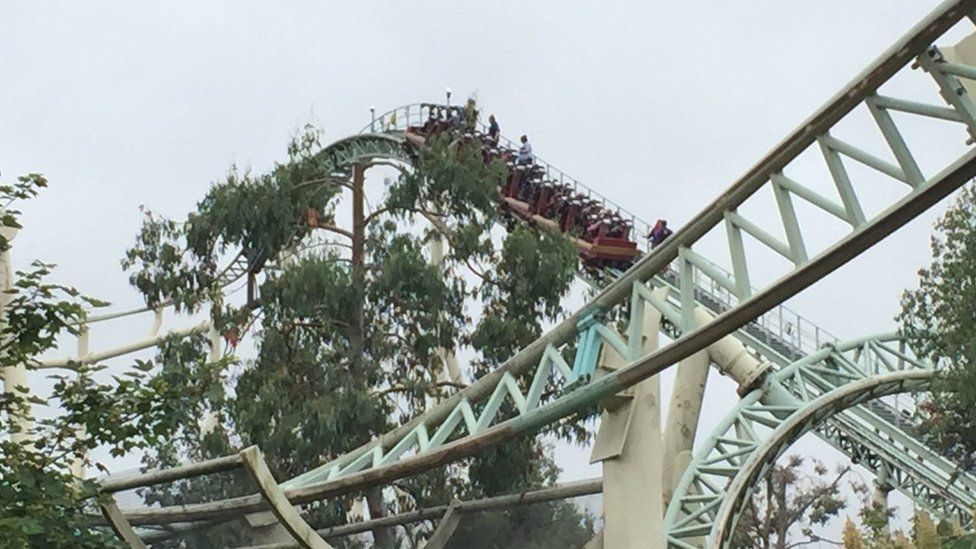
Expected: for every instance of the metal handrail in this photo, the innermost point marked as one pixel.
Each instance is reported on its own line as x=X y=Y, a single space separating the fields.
x=414 y=112
x=787 y=325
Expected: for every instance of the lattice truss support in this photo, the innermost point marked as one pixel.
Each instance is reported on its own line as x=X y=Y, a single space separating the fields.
x=882 y=437
x=474 y=418
x=806 y=389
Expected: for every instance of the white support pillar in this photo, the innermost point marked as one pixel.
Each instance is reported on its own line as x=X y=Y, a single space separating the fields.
x=684 y=410
x=13 y=376
x=629 y=446
x=78 y=464
x=451 y=372
x=208 y=421
x=682 y=419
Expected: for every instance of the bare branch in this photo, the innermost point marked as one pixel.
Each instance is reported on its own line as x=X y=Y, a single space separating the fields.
x=336 y=230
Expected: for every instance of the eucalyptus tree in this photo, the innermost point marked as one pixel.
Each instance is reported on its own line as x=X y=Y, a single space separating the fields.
x=353 y=324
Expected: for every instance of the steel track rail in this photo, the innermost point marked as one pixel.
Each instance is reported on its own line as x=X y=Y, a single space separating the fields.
x=864 y=236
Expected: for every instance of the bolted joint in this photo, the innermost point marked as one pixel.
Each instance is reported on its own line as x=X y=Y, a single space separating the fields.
x=735 y=361
x=754 y=378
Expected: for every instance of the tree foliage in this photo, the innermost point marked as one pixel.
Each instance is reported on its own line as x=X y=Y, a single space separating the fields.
x=792 y=507
x=938 y=320
x=41 y=503
x=352 y=334
x=924 y=534
x=791 y=499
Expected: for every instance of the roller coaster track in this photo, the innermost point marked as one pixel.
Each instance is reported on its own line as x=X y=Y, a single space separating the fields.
x=469 y=421
x=740 y=449
x=745 y=444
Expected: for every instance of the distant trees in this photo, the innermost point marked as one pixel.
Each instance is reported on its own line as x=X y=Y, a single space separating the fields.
x=796 y=501
x=793 y=499
x=924 y=534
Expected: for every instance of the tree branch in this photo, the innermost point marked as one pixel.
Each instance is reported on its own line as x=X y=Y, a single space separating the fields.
x=403 y=389
x=814 y=539
x=817 y=494
x=336 y=230
x=430 y=215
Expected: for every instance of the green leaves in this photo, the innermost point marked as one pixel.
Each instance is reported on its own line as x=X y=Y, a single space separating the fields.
x=42 y=506
x=37 y=312
x=41 y=503
x=351 y=344
x=257 y=216
x=529 y=279
x=938 y=320
x=26 y=187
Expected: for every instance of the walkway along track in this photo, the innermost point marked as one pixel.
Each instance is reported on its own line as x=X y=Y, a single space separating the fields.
x=436 y=436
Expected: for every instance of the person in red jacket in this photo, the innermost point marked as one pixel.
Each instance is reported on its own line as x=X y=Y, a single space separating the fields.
x=659 y=233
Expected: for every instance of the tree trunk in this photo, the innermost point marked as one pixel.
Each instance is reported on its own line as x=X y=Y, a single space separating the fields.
x=383 y=536
x=767 y=534
x=783 y=518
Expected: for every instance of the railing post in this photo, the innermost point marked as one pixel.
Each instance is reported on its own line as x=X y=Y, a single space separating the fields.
x=372 y=122
x=799 y=332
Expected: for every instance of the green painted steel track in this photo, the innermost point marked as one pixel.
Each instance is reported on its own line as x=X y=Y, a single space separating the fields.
x=469 y=422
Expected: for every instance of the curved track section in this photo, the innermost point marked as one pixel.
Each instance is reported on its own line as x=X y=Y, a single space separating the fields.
x=470 y=421
x=806 y=389
x=798 y=423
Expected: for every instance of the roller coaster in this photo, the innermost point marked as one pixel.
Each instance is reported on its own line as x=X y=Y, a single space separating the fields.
x=792 y=376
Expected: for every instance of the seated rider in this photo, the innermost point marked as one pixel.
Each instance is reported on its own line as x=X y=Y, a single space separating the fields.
x=455 y=120
x=525 y=152
x=430 y=124
x=494 y=132
x=659 y=233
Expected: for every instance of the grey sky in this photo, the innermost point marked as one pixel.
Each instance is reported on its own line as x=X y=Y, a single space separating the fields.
x=657 y=105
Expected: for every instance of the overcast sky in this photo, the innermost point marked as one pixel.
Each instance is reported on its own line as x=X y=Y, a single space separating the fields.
x=658 y=105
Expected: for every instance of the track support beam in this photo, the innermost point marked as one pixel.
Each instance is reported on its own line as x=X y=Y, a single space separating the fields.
x=629 y=442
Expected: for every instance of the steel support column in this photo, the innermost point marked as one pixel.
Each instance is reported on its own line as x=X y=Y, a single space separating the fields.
x=14 y=377
x=629 y=443
x=451 y=370
x=684 y=410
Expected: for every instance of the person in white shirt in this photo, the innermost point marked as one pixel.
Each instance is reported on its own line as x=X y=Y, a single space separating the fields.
x=525 y=152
